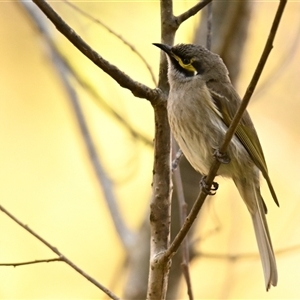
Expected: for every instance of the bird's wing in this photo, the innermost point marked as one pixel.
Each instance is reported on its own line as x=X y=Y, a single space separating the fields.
x=228 y=101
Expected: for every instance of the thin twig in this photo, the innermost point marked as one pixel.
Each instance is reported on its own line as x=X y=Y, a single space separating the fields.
x=281 y=65
x=61 y=256
x=138 y=89
x=37 y=261
x=231 y=130
x=234 y=257
x=105 y=184
x=182 y=216
x=131 y=46
x=209 y=26
x=255 y=78
x=192 y=11
x=105 y=106
x=84 y=83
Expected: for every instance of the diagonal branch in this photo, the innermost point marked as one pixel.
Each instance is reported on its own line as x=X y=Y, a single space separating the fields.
x=104 y=182
x=61 y=256
x=230 y=132
x=192 y=11
x=235 y=257
x=89 y=88
x=31 y=262
x=182 y=216
x=138 y=89
x=131 y=46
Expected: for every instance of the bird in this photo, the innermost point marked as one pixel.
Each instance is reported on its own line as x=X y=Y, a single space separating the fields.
x=201 y=105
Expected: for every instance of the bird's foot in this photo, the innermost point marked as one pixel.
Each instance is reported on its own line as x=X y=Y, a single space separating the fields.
x=221 y=157
x=209 y=190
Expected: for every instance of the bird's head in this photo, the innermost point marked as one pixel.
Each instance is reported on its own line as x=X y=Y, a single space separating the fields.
x=189 y=60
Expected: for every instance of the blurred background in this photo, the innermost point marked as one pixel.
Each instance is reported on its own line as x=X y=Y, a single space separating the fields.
x=47 y=179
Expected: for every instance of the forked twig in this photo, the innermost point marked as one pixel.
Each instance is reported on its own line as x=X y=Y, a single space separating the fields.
x=61 y=256
x=192 y=11
x=138 y=89
x=85 y=14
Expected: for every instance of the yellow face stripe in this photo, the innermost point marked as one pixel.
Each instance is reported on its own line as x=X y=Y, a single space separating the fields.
x=188 y=66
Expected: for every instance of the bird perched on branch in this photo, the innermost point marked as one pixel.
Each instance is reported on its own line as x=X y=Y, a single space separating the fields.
x=201 y=105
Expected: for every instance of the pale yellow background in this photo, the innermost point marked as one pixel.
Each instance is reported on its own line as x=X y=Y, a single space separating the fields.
x=46 y=178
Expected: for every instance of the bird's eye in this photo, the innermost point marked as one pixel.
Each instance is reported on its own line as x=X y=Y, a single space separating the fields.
x=186 y=61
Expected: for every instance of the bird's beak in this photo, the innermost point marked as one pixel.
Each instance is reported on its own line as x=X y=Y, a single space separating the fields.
x=165 y=48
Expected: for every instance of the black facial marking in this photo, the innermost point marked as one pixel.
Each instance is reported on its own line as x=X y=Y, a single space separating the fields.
x=197 y=65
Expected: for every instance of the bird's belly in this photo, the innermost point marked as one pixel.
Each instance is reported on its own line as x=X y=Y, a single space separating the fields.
x=199 y=135
x=198 y=147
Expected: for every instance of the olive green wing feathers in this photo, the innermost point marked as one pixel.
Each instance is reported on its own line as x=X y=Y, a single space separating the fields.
x=227 y=101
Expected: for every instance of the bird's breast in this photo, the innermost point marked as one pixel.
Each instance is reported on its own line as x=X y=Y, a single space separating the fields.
x=196 y=125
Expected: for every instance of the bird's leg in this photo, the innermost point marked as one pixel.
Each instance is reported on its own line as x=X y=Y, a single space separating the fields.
x=221 y=157
x=209 y=190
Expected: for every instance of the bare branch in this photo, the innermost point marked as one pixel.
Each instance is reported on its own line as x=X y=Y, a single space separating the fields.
x=116 y=35
x=160 y=207
x=105 y=184
x=209 y=26
x=231 y=130
x=230 y=23
x=192 y=11
x=234 y=257
x=37 y=261
x=61 y=256
x=281 y=64
x=104 y=105
x=255 y=78
x=138 y=89
x=182 y=213
x=186 y=273
x=168 y=30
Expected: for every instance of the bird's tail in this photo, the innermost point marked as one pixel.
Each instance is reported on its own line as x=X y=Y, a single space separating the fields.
x=255 y=204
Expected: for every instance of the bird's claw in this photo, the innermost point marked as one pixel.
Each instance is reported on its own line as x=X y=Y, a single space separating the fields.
x=209 y=190
x=221 y=157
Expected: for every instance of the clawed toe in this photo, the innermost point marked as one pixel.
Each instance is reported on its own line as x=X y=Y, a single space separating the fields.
x=209 y=190
x=221 y=157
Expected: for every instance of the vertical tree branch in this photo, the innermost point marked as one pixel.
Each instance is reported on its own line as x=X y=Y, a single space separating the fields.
x=160 y=205
x=160 y=216
x=209 y=26
x=182 y=206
